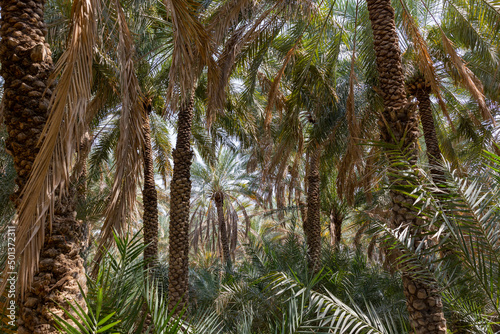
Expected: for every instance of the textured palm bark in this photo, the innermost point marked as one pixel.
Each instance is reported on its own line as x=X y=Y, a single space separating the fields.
x=26 y=66
x=336 y=220
x=419 y=88
x=180 y=193
x=312 y=226
x=149 y=198
x=219 y=204
x=399 y=121
x=60 y=274
x=280 y=193
x=80 y=175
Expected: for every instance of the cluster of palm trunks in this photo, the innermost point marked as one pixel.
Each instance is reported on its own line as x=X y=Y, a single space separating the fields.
x=26 y=67
x=400 y=119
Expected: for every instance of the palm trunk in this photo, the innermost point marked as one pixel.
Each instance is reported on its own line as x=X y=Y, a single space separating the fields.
x=423 y=301
x=149 y=198
x=26 y=66
x=335 y=227
x=150 y=206
x=421 y=90
x=219 y=203
x=280 y=193
x=60 y=274
x=81 y=190
x=180 y=194
x=312 y=226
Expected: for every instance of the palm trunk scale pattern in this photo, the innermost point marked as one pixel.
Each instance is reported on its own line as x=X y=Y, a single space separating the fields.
x=180 y=193
x=312 y=226
x=399 y=119
x=419 y=88
x=26 y=67
x=149 y=197
x=219 y=203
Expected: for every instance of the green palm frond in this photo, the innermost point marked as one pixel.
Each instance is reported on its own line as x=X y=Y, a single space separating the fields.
x=309 y=310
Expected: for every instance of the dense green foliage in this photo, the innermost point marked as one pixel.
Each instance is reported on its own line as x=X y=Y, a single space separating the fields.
x=275 y=84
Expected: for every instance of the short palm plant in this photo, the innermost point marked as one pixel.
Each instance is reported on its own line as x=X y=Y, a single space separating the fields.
x=273 y=292
x=121 y=296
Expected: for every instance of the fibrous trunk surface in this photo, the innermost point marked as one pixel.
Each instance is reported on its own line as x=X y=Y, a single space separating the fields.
x=399 y=119
x=312 y=227
x=219 y=204
x=180 y=193
x=419 y=88
x=60 y=274
x=150 y=199
x=26 y=67
x=336 y=219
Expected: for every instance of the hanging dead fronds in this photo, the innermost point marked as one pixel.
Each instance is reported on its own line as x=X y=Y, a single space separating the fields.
x=424 y=60
x=193 y=49
x=274 y=89
x=128 y=154
x=232 y=48
x=59 y=140
x=353 y=157
x=227 y=16
x=467 y=79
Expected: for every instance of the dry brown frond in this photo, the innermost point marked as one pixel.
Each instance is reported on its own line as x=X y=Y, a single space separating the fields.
x=468 y=79
x=279 y=100
x=193 y=49
x=240 y=38
x=424 y=59
x=368 y=179
x=59 y=140
x=225 y=64
x=274 y=91
x=226 y=17
x=128 y=154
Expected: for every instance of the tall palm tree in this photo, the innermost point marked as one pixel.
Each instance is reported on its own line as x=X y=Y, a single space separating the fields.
x=312 y=224
x=180 y=194
x=26 y=67
x=230 y=26
x=398 y=123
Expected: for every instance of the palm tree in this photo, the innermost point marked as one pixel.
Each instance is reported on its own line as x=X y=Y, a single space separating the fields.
x=398 y=123
x=224 y=183
x=26 y=67
x=229 y=28
x=312 y=224
x=180 y=193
